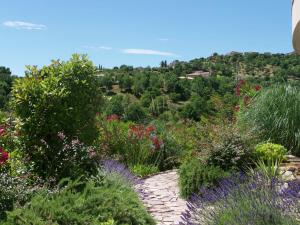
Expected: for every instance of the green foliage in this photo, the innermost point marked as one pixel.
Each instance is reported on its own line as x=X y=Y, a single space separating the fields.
x=195 y=108
x=269 y=152
x=158 y=105
x=6 y=81
x=269 y=170
x=144 y=170
x=135 y=112
x=106 y=82
x=125 y=82
x=79 y=203
x=116 y=105
x=231 y=151
x=194 y=174
x=274 y=115
x=63 y=97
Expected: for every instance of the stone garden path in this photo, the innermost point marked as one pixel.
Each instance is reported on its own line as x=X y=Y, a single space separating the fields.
x=162 y=198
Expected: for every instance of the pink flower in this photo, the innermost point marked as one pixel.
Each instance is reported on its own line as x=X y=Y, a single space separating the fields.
x=112 y=117
x=2 y=131
x=4 y=156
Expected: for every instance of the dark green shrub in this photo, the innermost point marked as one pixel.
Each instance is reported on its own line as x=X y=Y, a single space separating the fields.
x=135 y=112
x=230 y=151
x=194 y=174
x=62 y=97
x=274 y=115
x=84 y=203
x=116 y=105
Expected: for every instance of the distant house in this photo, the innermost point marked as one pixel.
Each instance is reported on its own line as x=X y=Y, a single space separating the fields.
x=100 y=75
x=199 y=73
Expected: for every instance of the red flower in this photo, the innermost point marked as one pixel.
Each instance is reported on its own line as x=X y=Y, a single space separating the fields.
x=112 y=117
x=3 y=156
x=136 y=131
x=257 y=87
x=155 y=143
x=150 y=129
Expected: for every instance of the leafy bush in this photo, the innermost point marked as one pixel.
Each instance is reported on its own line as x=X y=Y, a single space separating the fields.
x=245 y=200
x=63 y=97
x=76 y=159
x=274 y=115
x=230 y=151
x=270 y=152
x=107 y=202
x=193 y=174
x=135 y=112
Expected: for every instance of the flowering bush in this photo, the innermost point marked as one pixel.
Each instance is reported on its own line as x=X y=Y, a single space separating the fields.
x=73 y=160
x=62 y=97
x=13 y=191
x=136 y=144
x=245 y=200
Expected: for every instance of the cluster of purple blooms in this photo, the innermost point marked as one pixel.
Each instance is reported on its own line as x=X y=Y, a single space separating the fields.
x=241 y=199
x=115 y=167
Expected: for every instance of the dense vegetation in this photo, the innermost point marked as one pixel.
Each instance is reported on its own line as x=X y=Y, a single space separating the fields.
x=72 y=134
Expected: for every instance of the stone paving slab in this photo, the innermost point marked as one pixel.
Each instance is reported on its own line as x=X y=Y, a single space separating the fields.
x=161 y=198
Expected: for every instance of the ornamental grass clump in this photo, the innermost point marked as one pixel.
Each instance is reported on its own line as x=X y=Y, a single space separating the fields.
x=240 y=199
x=273 y=115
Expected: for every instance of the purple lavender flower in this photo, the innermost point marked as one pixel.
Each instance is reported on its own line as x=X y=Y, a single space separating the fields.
x=243 y=199
x=112 y=166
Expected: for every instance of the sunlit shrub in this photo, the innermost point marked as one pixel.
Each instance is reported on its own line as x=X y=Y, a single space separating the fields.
x=144 y=170
x=270 y=152
x=63 y=97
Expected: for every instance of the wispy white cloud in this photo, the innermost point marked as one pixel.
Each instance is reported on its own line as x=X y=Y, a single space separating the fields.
x=147 y=52
x=24 y=25
x=96 y=48
x=163 y=39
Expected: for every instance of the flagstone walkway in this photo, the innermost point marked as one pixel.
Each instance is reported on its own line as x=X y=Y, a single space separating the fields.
x=162 y=198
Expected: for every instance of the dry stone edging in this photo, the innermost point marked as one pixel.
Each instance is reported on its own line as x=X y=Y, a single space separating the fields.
x=161 y=198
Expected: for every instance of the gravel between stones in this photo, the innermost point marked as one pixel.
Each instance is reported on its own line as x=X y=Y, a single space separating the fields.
x=162 y=198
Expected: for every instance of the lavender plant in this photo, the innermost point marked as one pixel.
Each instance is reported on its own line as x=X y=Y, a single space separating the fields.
x=254 y=200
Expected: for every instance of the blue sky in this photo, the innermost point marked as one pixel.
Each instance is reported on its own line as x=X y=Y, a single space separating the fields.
x=139 y=32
